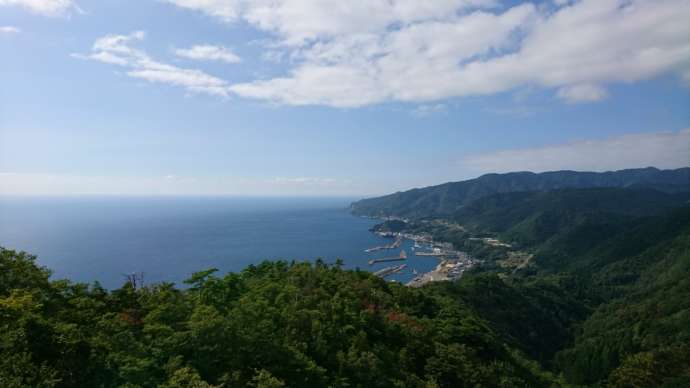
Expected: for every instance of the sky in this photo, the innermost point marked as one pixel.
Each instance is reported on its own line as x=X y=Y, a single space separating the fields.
x=333 y=98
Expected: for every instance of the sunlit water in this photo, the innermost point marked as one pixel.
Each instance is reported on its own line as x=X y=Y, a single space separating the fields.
x=88 y=239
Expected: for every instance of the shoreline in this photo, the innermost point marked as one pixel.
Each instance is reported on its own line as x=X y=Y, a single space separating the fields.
x=452 y=263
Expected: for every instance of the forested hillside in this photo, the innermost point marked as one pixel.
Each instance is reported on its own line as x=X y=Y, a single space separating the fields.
x=500 y=212
x=445 y=199
x=272 y=325
x=643 y=335
x=534 y=217
x=603 y=298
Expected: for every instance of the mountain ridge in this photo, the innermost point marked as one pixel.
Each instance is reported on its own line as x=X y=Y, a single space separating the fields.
x=446 y=198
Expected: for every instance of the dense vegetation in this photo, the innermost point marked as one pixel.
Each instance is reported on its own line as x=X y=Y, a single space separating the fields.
x=593 y=291
x=505 y=211
x=389 y=226
x=272 y=325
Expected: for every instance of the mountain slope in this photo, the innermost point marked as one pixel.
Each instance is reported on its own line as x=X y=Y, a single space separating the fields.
x=498 y=212
x=448 y=198
x=642 y=337
x=613 y=307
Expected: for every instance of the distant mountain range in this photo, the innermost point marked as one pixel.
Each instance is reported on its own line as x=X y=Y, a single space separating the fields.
x=448 y=198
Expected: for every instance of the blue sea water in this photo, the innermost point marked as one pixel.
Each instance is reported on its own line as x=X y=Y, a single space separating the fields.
x=101 y=238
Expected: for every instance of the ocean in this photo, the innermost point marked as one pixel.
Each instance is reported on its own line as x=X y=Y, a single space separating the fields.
x=87 y=239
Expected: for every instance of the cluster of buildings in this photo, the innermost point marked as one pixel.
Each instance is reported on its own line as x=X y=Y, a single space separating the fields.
x=447 y=269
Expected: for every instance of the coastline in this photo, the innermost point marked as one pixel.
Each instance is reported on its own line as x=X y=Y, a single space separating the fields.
x=452 y=263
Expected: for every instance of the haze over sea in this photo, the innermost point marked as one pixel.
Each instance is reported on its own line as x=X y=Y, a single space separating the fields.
x=168 y=238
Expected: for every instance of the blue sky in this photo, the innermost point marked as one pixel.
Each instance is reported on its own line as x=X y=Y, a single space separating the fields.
x=294 y=97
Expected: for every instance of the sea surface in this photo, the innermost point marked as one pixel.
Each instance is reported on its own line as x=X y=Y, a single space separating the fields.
x=88 y=239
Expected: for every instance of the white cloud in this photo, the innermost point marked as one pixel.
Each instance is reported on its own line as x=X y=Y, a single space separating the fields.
x=299 y=21
x=9 y=30
x=44 y=7
x=349 y=54
x=227 y=10
x=209 y=52
x=105 y=57
x=582 y=93
x=660 y=149
x=118 y=50
x=409 y=64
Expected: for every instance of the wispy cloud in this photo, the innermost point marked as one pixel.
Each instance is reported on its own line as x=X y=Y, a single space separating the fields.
x=582 y=93
x=118 y=50
x=44 y=7
x=207 y=52
x=659 y=149
x=226 y=10
x=9 y=30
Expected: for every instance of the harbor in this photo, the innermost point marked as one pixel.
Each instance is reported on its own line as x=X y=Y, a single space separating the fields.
x=430 y=260
x=377 y=261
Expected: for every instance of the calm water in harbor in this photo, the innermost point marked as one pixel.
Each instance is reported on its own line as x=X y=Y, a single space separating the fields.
x=87 y=239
